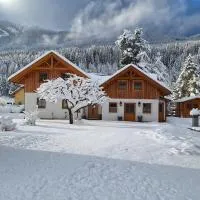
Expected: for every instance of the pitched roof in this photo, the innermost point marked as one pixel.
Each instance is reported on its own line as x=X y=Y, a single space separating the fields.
x=42 y=56
x=150 y=76
x=186 y=99
x=98 y=77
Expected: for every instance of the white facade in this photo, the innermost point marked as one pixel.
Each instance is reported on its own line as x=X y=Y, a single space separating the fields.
x=52 y=110
x=55 y=110
x=153 y=116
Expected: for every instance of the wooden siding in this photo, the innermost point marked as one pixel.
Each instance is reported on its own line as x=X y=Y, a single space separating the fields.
x=19 y=97
x=183 y=108
x=52 y=65
x=149 y=91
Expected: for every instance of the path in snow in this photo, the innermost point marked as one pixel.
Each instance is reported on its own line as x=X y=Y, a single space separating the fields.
x=36 y=175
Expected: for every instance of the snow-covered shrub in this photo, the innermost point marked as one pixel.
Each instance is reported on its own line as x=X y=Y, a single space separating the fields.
x=6 y=124
x=2 y=102
x=31 y=117
x=11 y=109
x=17 y=108
x=194 y=111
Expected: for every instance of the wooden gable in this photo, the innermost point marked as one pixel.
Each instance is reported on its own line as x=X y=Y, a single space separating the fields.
x=131 y=77
x=51 y=64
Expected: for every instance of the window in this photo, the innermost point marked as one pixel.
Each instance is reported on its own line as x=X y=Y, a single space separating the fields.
x=137 y=85
x=112 y=107
x=122 y=85
x=43 y=77
x=65 y=76
x=41 y=103
x=64 y=104
x=146 y=107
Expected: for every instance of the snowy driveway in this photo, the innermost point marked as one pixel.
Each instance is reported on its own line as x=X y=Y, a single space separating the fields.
x=100 y=160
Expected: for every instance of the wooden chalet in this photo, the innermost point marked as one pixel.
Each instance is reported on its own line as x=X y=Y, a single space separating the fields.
x=50 y=65
x=134 y=93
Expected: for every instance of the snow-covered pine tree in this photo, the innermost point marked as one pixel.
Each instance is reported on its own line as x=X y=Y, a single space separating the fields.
x=131 y=45
x=161 y=70
x=188 y=80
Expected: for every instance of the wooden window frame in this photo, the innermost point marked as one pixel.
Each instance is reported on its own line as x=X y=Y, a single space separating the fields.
x=112 y=109
x=42 y=79
x=122 y=89
x=39 y=105
x=64 y=76
x=148 y=111
x=134 y=83
x=64 y=106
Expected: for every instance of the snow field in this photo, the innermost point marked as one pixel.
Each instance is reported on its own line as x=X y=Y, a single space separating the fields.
x=100 y=160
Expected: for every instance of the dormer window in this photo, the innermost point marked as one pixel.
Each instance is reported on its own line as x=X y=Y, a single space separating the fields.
x=43 y=76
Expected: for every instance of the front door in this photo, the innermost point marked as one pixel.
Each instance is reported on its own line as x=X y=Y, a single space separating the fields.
x=161 y=112
x=129 y=112
x=93 y=112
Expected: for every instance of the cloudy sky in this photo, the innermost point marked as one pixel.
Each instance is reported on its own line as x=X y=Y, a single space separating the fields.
x=85 y=18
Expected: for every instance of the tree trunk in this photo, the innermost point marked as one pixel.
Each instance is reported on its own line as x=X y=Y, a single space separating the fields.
x=71 y=118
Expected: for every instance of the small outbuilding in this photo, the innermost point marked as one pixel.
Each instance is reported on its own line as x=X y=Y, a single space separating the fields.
x=185 y=105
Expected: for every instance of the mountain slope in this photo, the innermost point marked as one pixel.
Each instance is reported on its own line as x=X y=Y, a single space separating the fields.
x=14 y=36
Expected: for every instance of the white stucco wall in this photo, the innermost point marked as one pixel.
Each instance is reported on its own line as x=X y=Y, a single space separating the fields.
x=153 y=116
x=52 y=111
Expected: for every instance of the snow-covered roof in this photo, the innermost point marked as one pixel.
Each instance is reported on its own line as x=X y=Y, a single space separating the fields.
x=42 y=56
x=143 y=72
x=187 y=99
x=99 y=78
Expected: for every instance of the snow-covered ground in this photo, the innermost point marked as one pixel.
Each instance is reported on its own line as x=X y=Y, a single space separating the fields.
x=100 y=160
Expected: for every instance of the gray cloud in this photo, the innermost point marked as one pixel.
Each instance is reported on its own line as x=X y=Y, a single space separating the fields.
x=109 y=18
x=51 y=14
x=105 y=18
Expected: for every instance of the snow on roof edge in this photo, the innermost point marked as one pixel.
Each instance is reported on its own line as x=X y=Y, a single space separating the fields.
x=186 y=99
x=134 y=66
x=18 y=89
x=100 y=78
x=42 y=56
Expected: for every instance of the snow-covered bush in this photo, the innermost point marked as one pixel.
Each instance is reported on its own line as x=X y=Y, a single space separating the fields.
x=11 y=109
x=17 y=108
x=6 y=124
x=2 y=102
x=31 y=117
x=194 y=112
